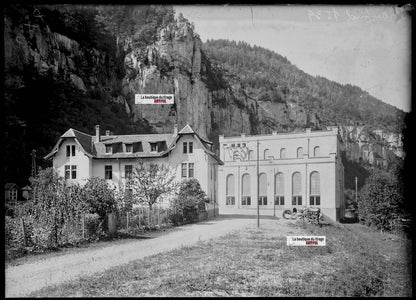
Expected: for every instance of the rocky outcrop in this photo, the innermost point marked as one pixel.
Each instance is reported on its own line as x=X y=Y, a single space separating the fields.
x=30 y=47
x=175 y=64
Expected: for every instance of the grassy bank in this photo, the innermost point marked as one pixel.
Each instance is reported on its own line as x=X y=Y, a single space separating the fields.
x=257 y=262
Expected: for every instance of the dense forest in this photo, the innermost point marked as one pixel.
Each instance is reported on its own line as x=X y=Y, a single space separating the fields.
x=46 y=47
x=268 y=76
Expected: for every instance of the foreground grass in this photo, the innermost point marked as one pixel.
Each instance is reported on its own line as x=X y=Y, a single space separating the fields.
x=257 y=262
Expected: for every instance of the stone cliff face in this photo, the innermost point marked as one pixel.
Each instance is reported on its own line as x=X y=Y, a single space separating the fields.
x=31 y=47
x=174 y=64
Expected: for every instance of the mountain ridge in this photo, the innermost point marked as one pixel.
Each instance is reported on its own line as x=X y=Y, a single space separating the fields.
x=67 y=71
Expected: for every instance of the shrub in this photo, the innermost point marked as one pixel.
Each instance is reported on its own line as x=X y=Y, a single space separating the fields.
x=381 y=202
x=188 y=203
x=93 y=227
x=43 y=238
x=99 y=196
x=13 y=233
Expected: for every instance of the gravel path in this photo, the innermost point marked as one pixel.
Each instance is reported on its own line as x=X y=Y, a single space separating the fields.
x=26 y=278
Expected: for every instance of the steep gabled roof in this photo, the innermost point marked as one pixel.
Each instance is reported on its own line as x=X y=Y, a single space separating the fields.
x=186 y=130
x=84 y=140
x=10 y=185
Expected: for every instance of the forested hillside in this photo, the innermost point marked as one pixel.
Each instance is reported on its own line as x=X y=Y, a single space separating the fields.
x=268 y=76
x=78 y=66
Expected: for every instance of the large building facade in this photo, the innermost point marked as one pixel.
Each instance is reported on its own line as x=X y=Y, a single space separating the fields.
x=299 y=169
x=78 y=156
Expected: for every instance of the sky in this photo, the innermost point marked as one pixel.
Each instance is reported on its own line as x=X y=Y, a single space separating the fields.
x=366 y=46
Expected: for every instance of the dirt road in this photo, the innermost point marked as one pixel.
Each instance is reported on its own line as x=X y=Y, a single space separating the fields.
x=23 y=279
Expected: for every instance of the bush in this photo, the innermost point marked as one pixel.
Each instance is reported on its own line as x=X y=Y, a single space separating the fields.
x=188 y=203
x=13 y=233
x=93 y=227
x=43 y=238
x=381 y=202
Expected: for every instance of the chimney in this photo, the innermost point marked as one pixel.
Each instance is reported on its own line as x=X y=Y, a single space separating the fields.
x=97 y=133
x=107 y=132
x=175 y=130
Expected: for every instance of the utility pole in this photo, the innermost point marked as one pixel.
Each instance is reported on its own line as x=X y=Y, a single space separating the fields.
x=356 y=182
x=258 y=188
x=33 y=173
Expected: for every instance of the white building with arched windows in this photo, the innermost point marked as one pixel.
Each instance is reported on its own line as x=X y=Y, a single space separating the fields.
x=298 y=169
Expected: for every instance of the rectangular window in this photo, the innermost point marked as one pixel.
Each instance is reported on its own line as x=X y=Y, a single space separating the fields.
x=262 y=200
x=184 y=170
x=108 y=172
x=153 y=147
x=185 y=147
x=230 y=200
x=13 y=194
x=297 y=200
x=108 y=149
x=128 y=171
x=245 y=200
x=191 y=170
x=68 y=150
x=191 y=147
x=74 y=172
x=67 y=172
x=129 y=148
x=73 y=150
x=279 y=200
x=315 y=200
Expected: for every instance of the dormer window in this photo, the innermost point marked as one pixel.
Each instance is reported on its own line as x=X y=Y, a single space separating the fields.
x=129 y=148
x=153 y=147
x=108 y=149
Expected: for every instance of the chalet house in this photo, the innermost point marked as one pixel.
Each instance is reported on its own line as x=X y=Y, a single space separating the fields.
x=11 y=192
x=78 y=156
x=298 y=169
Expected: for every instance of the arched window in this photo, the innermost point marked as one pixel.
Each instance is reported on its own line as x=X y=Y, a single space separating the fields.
x=296 y=189
x=315 y=193
x=263 y=189
x=230 y=191
x=266 y=153
x=316 y=151
x=245 y=190
x=300 y=152
x=279 y=191
x=283 y=153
